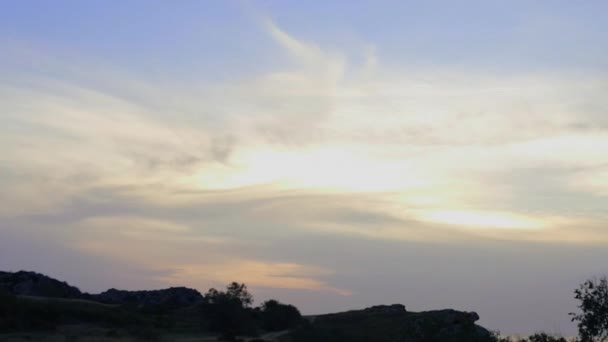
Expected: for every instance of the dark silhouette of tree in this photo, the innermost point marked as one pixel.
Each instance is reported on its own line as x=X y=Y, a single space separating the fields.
x=228 y=312
x=277 y=316
x=593 y=320
x=239 y=292
x=544 y=337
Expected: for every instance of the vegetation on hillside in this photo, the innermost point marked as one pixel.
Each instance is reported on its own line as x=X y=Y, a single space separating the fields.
x=229 y=314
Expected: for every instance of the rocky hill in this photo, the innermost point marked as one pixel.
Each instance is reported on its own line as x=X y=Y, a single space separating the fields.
x=24 y=283
x=392 y=323
x=30 y=300
x=33 y=284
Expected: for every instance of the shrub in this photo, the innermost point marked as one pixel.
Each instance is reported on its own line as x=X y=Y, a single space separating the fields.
x=543 y=337
x=277 y=316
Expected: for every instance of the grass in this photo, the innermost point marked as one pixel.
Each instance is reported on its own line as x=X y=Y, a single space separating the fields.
x=38 y=310
x=71 y=320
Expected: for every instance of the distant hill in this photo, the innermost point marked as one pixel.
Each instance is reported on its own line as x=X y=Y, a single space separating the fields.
x=24 y=283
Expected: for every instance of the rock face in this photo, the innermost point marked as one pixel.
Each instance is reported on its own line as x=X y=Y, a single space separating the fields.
x=172 y=297
x=24 y=283
x=392 y=323
x=449 y=324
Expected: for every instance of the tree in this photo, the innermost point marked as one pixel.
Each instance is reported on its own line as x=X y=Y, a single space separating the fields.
x=593 y=321
x=544 y=337
x=277 y=316
x=239 y=292
x=228 y=312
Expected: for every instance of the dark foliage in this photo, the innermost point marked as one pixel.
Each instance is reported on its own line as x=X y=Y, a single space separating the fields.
x=239 y=292
x=543 y=337
x=593 y=320
x=228 y=312
x=538 y=337
x=276 y=316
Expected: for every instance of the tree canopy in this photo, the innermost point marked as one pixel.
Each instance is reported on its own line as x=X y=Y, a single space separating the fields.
x=593 y=303
x=227 y=311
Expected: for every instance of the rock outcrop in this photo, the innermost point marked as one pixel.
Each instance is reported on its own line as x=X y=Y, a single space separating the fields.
x=392 y=323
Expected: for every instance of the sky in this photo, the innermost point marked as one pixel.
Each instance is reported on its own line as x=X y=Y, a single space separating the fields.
x=334 y=155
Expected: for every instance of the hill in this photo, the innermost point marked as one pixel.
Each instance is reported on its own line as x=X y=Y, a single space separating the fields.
x=24 y=283
x=392 y=324
x=34 y=284
x=41 y=308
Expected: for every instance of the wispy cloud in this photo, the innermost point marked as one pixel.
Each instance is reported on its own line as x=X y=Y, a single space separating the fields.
x=199 y=183
x=258 y=274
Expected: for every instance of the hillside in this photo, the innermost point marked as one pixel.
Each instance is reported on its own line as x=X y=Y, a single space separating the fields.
x=34 y=284
x=36 y=307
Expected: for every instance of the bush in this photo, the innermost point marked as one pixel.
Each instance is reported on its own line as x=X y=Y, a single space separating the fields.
x=276 y=316
x=543 y=337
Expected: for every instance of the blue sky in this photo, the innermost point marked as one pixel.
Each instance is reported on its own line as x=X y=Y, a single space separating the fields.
x=334 y=155
x=148 y=35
